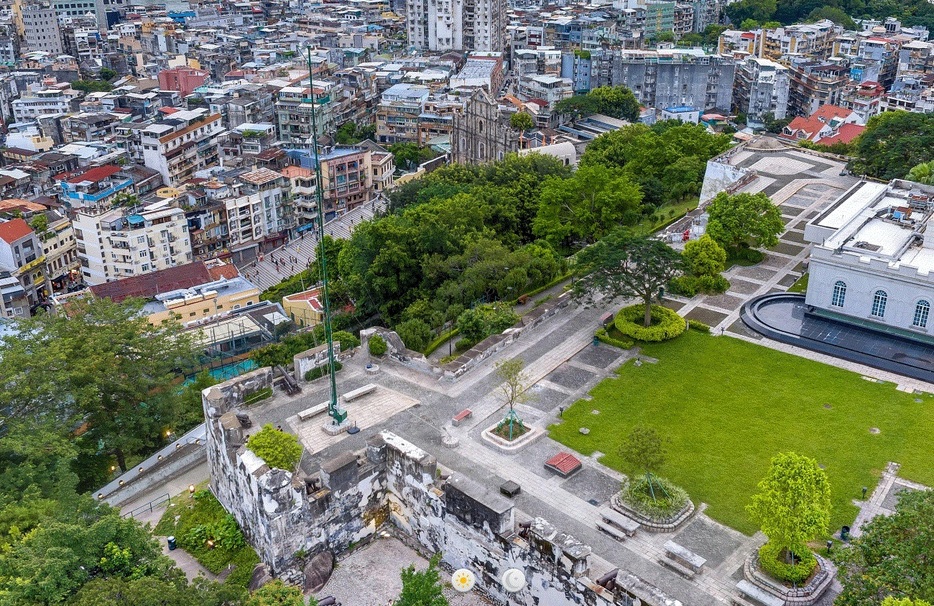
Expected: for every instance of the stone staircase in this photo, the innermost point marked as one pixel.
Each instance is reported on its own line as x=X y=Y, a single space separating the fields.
x=266 y=273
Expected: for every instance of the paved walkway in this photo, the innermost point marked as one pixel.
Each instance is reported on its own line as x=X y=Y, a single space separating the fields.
x=883 y=498
x=292 y=258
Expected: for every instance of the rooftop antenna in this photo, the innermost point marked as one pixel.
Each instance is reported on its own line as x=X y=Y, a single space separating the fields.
x=337 y=415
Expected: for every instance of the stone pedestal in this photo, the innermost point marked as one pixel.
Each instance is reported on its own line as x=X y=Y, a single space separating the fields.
x=332 y=430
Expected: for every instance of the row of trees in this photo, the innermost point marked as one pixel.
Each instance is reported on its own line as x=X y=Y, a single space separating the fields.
x=909 y=12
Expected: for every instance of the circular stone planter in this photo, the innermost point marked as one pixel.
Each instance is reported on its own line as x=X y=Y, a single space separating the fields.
x=371 y=369
x=807 y=594
x=510 y=447
x=668 y=524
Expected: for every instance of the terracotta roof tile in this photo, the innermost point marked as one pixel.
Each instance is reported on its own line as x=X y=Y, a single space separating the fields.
x=11 y=231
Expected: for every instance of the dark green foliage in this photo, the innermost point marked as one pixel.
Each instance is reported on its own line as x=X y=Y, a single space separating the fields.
x=893 y=143
x=408 y=156
x=613 y=101
x=909 y=12
x=92 y=86
x=667 y=160
x=351 y=133
x=415 y=333
x=521 y=121
x=893 y=555
x=623 y=266
x=644 y=449
x=282 y=353
x=377 y=345
x=790 y=568
x=107 y=74
x=311 y=276
x=347 y=340
x=689 y=286
x=744 y=219
x=276 y=593
x=207 y=520
x=666 y=323
x=656 y=498
x=482 y=321
x=321 y=371
x=422 y=588
x=698 y=326
x=604 y=336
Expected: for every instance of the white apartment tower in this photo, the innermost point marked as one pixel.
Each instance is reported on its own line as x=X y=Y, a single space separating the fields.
x=118 y=244
x=441 y=25
x=182 y=144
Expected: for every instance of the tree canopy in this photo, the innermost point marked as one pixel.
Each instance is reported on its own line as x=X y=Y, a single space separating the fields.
x=620 y=265
x=99 y=371
x=744 y=219
x=351 y=133
x=793 y=503
x=613 y=101
x=277 y=593
x=893 y=143
x=521 y=121
x=644 y=449
x=909 y=12
x=922 y=173
x=422 y=588
x=280 y=450
x=892 y=557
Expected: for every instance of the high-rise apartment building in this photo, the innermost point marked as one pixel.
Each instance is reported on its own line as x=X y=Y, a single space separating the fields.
x=761 y=88
x=41 y=31
x=440 y=25
x=119 y=243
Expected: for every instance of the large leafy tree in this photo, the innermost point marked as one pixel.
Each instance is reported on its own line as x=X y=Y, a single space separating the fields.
x=613 y=101
x=922 y=173
x=757 y=10
x=624 y=266
x=584 y=208
x=793 y=503
x=744 y=220
x=893 y=143
x=99 y=370
x=422 y=588
x=156 y=591
x=893 y=556
x=704 y=257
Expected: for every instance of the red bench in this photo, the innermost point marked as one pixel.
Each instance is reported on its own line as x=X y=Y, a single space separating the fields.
x=464 y=414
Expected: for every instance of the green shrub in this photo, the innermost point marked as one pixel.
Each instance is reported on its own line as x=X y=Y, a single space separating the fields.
x=277 y=448
x=346 y=339
x=378 y=345
x=605 y=337
x=320 y=371
x=699 y=326
x=772 y=562
x=464 y=344
x=683 y=285
x=666 y=323
x=745 y=256
x=689 y=286
x=668 y=501
x=244 y=562
x=441 y=340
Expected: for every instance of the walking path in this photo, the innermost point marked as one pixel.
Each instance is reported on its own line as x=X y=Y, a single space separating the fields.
x=294 y=257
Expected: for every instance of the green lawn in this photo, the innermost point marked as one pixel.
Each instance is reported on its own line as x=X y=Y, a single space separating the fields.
x=728 y=406
x=800 y=285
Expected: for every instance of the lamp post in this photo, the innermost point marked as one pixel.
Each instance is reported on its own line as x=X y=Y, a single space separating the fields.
x=337 y=415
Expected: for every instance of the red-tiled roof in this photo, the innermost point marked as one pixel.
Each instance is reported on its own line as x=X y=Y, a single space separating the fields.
x=829 y=112
x=98 y=173
x=309 y=296
x=564 y=463
x=224 y=271
x=845 y=134
x=11 y=231
x=149 y=285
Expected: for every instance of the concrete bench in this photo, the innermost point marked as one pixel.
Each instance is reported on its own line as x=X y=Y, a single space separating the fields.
x=464 y=414
x=313 y=411
x=611 y=530
x=758 y=596
x=677 y=567
x=684 y=556
x=623 y=522
x=350 y=396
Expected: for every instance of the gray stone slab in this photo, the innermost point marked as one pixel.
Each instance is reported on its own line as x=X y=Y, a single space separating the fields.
x=706 y=540
x=891 y=499
x=774 y=261
x=727 y=302
x=743 y=287
x=600 y=356
x=800 y=267
x=811 y=214
x=707 y=316
x=756 y=272
x=788 y=280
x=788 y=249
x=546 y=399
x=739 y=328
x=672 y=304
x=570 y=376
x=592 y=485
x=793 y=236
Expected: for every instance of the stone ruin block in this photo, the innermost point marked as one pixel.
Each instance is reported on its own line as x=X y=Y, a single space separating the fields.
x=477 y=506
x=340 y=473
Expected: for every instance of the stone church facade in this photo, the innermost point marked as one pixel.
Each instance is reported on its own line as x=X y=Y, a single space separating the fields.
x=481 y=132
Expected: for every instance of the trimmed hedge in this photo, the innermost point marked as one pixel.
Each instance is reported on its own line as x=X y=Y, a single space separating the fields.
x=605 y=337
x=699 y=326
x=636 y=494
x=377 y=345
x=320 y=371
x=666 y=323
x=441 y=340
x=771 y=561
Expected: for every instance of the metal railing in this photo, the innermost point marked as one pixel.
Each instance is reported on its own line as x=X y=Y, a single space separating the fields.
x=148 y=507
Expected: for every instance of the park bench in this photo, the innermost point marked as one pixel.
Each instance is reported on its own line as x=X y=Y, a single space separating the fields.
x=754 y=596
x=612 y=530
x=350 y=396
x=464 y=414
x=682 y=560
x=620 y=521
x=313 y=411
